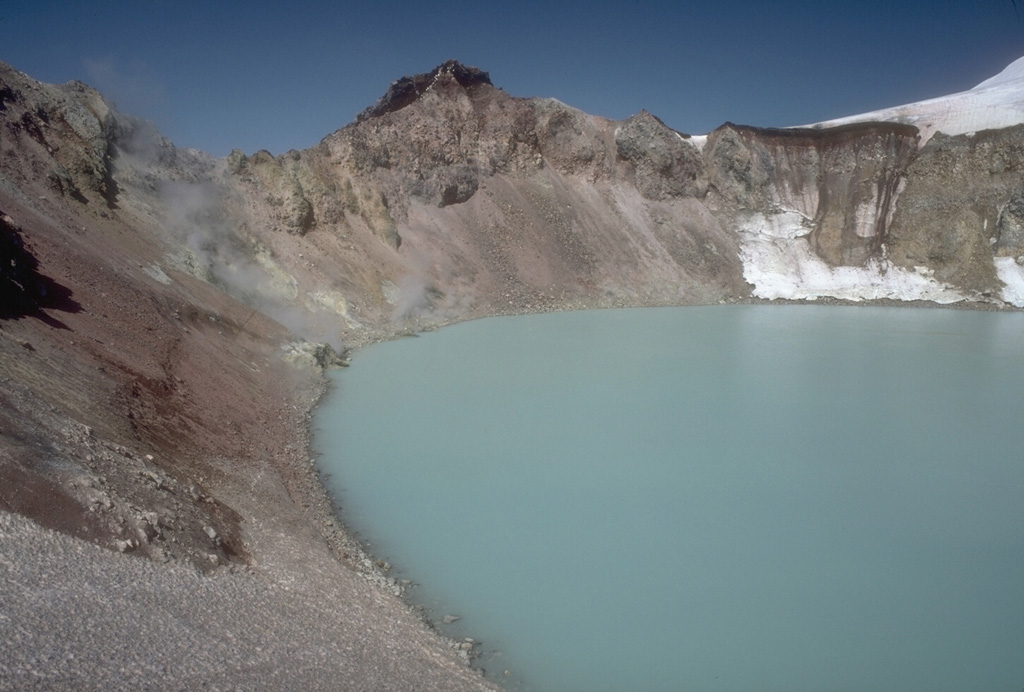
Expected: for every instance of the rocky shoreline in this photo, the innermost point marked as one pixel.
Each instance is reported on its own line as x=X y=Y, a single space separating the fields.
x=80 y=616
x=324 y=512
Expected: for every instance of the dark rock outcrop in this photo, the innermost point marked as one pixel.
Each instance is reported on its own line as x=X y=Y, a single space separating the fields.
x=407 y=89
x=21 y=287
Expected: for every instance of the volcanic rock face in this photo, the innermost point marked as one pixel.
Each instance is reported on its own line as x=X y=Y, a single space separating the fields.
x=957 y=215
x=490 y=202
x=407 y=89
x=843 y=183
x=667 y=166
x=164 y=311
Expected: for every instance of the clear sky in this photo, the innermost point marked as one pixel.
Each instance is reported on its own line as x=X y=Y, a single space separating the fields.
x=224 y=74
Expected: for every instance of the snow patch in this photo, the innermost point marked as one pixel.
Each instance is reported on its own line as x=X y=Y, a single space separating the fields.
x=994 y=104
x=1011 y=274
x=779 y=263
x=1013 y=72
x=866 y=219
x=697 y=141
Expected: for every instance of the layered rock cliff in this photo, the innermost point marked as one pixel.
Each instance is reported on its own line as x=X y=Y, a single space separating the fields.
x=164 y=312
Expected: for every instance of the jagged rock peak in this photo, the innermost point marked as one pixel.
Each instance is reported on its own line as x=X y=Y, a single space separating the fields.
x=646 y=116
x=407 y=89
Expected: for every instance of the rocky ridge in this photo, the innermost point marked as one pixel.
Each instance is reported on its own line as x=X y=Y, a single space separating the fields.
x=536 y=199
x=167 y=314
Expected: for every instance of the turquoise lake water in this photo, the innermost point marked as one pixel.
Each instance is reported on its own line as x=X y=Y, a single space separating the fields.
x=721 y=498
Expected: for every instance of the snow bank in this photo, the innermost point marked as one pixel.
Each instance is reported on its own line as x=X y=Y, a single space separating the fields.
x=1011 y=274
x=995 y=103
x=779 y=262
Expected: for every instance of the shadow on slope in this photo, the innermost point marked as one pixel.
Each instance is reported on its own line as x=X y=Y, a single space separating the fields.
x=23 y=290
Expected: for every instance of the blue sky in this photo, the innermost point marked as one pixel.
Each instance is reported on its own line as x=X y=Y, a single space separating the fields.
x=222 y=74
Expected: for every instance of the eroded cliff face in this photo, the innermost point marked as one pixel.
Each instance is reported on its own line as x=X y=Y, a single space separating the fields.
x=865 y=212
x=837 y=189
